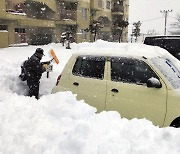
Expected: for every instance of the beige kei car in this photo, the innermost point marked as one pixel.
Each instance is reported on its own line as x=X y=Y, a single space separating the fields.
x=145 y=86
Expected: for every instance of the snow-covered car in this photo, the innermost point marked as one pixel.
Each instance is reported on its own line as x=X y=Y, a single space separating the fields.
x=138 y=81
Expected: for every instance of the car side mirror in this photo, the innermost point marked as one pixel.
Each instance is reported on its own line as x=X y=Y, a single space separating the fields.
x=154 y=83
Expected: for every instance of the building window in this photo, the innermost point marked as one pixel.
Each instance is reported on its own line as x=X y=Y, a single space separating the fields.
x=20 y=30
x=3 y=27
x=20 y=35
x=84 y=34
x=93 y=13
x=84 y=13
x=108 y=4
x=100 y=3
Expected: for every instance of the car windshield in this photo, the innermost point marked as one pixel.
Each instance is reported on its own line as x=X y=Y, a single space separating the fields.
x=169 y=70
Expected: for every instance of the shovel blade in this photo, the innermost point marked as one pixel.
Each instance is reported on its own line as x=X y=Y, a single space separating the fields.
x=54 y=56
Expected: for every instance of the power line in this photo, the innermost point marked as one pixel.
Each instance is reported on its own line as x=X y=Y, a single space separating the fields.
x=149 y=20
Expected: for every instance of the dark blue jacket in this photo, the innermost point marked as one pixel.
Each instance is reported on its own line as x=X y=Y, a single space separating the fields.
x=34 y=68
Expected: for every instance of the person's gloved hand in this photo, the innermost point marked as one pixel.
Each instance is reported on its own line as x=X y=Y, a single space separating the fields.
x=45 y=66
x=48 y=62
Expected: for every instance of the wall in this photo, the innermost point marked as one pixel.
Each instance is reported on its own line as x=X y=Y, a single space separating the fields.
x=2 y=9
x=4 y=39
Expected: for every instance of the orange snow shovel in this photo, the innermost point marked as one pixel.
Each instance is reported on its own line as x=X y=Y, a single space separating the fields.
x=54 y=56
x=50 y=67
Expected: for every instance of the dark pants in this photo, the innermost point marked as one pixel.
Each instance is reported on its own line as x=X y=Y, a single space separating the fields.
x=33 y=88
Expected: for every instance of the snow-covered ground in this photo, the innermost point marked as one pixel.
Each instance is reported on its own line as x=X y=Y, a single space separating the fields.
x=59 y=124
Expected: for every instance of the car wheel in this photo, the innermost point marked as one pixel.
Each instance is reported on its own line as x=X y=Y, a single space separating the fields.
x=176 y=123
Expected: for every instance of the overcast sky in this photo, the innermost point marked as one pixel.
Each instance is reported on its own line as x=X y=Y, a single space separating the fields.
x=145 y=10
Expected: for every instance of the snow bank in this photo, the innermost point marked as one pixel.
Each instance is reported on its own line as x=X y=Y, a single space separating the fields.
x=59 y=124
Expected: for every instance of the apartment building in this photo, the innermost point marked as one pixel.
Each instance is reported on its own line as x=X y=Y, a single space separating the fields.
x=43 y=21
x=120 y=11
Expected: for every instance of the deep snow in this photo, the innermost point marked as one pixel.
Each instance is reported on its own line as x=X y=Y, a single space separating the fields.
x=59 y=124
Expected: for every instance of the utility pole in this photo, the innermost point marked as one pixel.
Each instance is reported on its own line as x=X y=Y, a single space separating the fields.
x=165 y=12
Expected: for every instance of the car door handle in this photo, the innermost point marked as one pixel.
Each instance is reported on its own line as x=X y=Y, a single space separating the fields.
x=76 y=84
x=114 y=90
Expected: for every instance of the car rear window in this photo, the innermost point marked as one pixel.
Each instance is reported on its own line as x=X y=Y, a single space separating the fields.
x=89 y=66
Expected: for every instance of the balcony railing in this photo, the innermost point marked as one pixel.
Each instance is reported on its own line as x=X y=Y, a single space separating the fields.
x=118 y=9
x=68 y=14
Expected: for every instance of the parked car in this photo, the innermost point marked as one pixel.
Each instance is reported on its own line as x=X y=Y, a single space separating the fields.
x=170 y=43
x=136 y=86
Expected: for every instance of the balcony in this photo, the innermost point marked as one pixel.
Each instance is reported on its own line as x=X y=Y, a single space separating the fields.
x=67 y=17
x=16 y=16
x=67 y=14
x=36 y=23
x=118 y=10
x=49 y=3
x=15 y=7
x=39 y=10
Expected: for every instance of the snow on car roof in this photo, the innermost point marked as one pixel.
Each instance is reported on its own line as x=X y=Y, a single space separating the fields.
x=122 y=49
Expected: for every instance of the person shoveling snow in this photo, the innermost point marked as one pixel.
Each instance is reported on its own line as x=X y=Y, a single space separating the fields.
x=32 y=69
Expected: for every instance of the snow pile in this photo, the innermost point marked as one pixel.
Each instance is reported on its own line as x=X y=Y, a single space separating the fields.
x=59 y=124
x=133 y=49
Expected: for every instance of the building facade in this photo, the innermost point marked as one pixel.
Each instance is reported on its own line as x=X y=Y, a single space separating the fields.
x=39 y=22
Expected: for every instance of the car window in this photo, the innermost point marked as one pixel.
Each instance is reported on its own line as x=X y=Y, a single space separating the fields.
x=169 y=70
x=90 y=67
x=131 y=71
